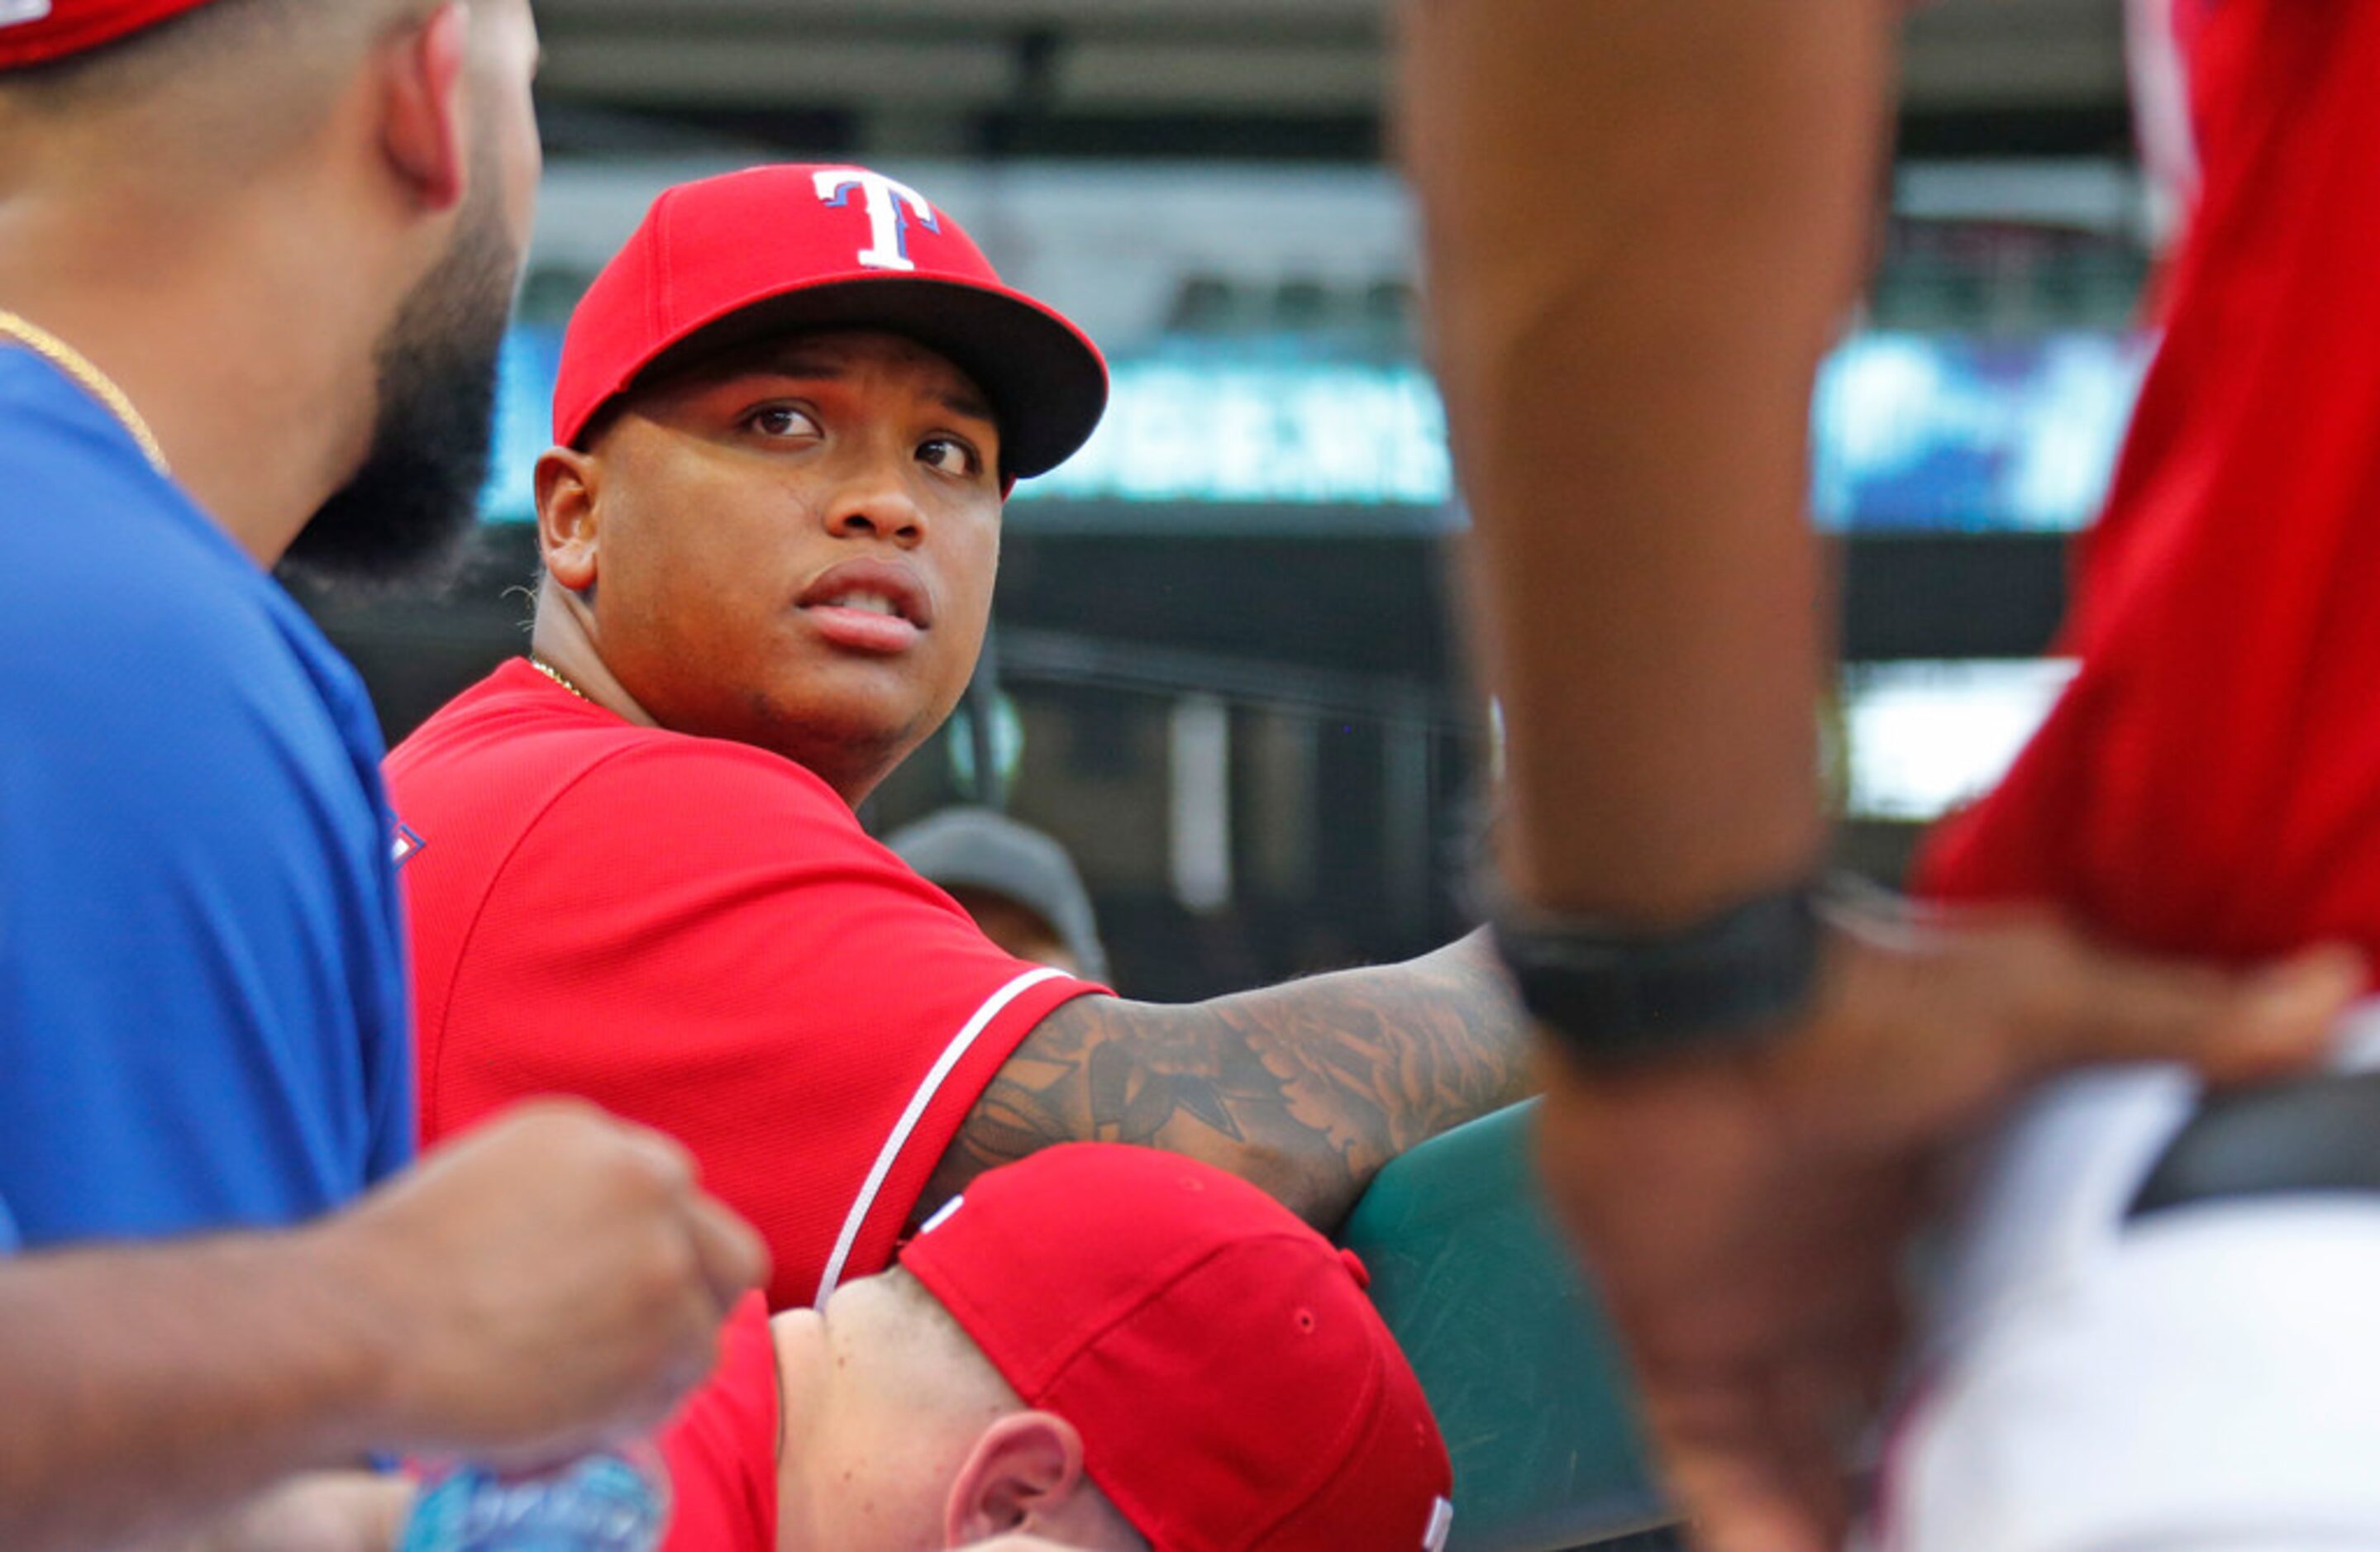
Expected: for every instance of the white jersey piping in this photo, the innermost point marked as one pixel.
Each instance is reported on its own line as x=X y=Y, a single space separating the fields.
x=898 y=1138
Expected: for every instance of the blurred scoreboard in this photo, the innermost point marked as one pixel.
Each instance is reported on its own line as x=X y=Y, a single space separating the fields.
x=1911 y=433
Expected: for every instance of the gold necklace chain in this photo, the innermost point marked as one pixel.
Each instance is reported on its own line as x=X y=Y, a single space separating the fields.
x=556 y=675
x=95 y=382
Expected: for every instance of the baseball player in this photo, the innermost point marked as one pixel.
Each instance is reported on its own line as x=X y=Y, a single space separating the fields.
x=251 y=255
x=1111 y=1347
x=787 y=415
x=2151 y=1337
x=1644 y=224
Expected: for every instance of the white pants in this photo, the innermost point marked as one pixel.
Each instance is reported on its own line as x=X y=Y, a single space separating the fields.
x=2205 y=1377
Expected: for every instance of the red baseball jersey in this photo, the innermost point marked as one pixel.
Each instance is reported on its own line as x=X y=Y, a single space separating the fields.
x=2211 y=780
x=720 y=1447
x=2209 y=784
x=696 y=934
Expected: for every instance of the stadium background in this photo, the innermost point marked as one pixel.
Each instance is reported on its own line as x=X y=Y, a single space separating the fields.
x=1223 y=668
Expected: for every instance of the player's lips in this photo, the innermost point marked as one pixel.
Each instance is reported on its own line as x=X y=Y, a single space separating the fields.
x=869 y=605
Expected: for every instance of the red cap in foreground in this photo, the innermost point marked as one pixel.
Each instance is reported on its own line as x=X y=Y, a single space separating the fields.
x=783 y=248
x=1232 y=1384
x=36 y=32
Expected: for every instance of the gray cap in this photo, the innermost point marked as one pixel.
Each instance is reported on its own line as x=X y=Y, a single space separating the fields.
x=979 y=849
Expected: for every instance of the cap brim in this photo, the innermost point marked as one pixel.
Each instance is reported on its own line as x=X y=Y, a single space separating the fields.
x=1047 y=381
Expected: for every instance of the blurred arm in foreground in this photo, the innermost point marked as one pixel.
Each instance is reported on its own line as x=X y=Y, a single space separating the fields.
x=1644 y=224
x=533 y=1289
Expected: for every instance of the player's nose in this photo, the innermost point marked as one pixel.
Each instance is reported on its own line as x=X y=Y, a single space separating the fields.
x=876 y=502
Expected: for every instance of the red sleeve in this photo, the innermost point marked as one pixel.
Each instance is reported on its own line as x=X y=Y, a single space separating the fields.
x=720 y=1447
x=699 y=937
x=2211 y=781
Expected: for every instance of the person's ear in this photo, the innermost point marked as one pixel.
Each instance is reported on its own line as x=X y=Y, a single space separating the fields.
x=1022 y=1474
x=567 y=480
x=424 y=132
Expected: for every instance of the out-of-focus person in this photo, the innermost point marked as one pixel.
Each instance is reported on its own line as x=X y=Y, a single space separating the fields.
x=1017 y=882
x=255 y=261
x=2152 y=1333
x=1643 y=226
x=787 y=417
x=1111 y=1347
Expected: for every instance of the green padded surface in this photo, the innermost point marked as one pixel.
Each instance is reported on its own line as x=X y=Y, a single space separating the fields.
x=1510 y=1343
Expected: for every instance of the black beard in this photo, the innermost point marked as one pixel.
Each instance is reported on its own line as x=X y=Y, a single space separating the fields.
x=403 y=517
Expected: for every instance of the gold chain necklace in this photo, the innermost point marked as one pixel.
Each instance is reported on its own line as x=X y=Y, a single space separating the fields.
x=556 y=675
x=95 y=382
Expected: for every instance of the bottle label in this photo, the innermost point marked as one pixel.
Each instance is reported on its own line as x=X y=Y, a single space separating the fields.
x=599 y=1504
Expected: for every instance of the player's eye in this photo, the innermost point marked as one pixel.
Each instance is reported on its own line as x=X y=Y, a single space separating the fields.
x=781 y=420
x=951 y=455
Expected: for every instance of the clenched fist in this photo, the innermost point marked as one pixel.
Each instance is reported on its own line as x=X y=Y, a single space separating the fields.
x=550 y=1280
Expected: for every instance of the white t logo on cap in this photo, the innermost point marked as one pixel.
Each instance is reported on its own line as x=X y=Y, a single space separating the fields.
x=889 y=205
x=15 y=12
x=1441 y=1521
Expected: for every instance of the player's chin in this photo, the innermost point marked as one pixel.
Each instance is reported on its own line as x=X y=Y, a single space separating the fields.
x=846 y=719
x=858 y=691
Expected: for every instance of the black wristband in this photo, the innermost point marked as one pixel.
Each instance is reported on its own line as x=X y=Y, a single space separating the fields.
x=1608 y=993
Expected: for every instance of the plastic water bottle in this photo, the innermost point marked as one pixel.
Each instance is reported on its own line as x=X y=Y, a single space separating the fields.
x=614 y=1501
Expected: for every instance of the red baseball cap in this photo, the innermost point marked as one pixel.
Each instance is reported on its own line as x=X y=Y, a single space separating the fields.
x=1235 y=1389
x=779 y=248
x=36 y=32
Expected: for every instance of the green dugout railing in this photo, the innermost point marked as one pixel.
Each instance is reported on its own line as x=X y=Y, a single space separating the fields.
x=1508 y=1342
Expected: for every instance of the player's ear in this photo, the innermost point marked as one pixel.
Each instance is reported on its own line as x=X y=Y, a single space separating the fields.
x=567 y=480
x=418 y=71
x=1023 y=1473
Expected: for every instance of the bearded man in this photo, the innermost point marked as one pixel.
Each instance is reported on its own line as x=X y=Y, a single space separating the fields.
x=220 y=321
x=255 y=258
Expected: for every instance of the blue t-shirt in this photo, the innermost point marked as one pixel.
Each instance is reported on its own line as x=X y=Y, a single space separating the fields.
x=203 y=999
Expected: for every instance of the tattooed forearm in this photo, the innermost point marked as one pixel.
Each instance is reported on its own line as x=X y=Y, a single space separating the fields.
x=1305 y=1089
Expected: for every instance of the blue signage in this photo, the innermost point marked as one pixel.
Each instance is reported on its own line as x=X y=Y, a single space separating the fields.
x=1910 y=431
